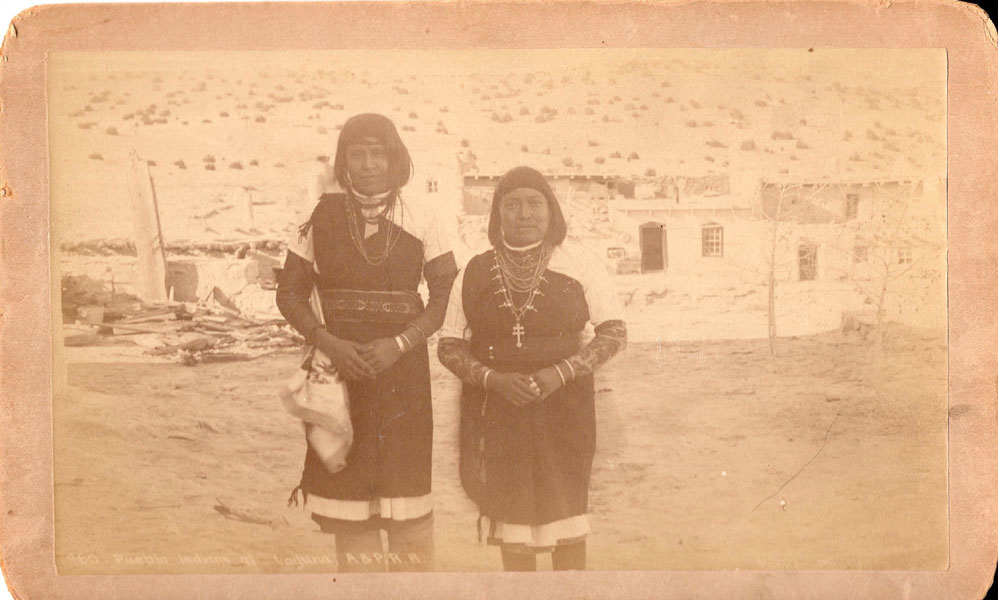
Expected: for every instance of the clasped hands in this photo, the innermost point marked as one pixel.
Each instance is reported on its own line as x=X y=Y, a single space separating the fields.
x=357 y=361
x=520 y=389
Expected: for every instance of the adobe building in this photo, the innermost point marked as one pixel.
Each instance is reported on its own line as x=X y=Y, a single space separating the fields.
x=591 y=190
x=823 y=229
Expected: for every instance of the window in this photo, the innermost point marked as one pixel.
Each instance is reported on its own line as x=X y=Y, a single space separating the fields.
x=807 y=259
x=852 y=206
x=904 y=256
x=431 y=186
x=860 y=253
x=713 y=240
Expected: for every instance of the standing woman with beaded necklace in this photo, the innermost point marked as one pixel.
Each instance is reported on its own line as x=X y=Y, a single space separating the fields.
x=513 y=335
x=367 y=252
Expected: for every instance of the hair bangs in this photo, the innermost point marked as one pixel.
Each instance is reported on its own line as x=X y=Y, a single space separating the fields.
x=373 y=126
x=527 y=177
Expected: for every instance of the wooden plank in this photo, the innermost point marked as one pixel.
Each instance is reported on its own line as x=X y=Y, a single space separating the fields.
x=213 y=327
x=79 y=336
x=223 y=357
x=116 y=329
x=151 y=264
x=195 y=345
x=166 y=314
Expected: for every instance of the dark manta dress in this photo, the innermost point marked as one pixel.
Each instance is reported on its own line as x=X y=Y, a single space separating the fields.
x=528 y=468
x=387 y=473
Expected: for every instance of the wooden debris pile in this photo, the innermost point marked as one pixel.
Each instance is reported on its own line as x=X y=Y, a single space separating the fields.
x=211 y=330
x=248 y=241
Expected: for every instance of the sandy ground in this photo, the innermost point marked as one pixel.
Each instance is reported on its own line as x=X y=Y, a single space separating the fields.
x=710 y=456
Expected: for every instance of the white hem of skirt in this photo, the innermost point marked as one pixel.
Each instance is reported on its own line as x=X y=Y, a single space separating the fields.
x=541 y=536
x=397 y=509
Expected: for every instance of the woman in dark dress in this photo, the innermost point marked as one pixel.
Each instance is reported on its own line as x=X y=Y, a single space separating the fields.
x=367 y=253
x=513 y=334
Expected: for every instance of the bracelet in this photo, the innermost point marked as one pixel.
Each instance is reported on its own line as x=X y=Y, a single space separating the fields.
x=412 y=335
x=570 y=367
x=419 y=329
x=485 y=378
x=405 y=338
x=560 y=374
x=398 y=341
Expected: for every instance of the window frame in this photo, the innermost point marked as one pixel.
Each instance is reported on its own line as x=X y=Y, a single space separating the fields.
x=716 y=246
x=852 y=207
x=813 y=262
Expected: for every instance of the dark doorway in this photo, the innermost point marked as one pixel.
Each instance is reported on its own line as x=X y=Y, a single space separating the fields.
x=653 y=247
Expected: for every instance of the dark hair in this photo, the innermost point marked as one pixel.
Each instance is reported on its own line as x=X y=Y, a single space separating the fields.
x=381 y=128
x=526 y=177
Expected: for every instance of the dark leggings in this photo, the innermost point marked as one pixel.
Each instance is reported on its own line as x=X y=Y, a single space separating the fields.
x=359 y=548
x=570 y=557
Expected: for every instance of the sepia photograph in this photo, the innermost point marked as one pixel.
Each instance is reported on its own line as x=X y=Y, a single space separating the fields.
x=552 y=296
x=580 y=309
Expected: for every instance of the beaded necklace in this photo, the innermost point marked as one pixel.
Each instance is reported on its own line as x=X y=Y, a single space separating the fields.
x=521 y=272
x=386 y=213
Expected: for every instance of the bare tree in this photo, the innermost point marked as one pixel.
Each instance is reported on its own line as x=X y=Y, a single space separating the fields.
x=787 y=209
x=885 y=247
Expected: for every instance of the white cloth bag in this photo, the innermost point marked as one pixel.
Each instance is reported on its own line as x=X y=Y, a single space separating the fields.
x=317 y=395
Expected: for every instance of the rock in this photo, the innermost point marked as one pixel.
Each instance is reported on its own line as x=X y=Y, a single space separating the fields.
x=82 y=290
x=258 y=301
x=91 y=313
x=194 y=278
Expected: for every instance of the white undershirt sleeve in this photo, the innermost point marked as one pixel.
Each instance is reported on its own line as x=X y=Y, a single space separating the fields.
x=455 y=322
x=601 y=294
x=302 y=245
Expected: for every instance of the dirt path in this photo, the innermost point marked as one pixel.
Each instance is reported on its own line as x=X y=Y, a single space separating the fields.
x=709 y=456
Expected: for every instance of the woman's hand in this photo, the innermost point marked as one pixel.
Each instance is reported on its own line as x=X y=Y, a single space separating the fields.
x=380 y=353
x=514 y=387
x=548 y=380
x=344 y=356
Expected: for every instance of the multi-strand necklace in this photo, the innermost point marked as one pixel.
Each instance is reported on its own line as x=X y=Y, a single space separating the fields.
x=520 y=271
x=373 y=210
